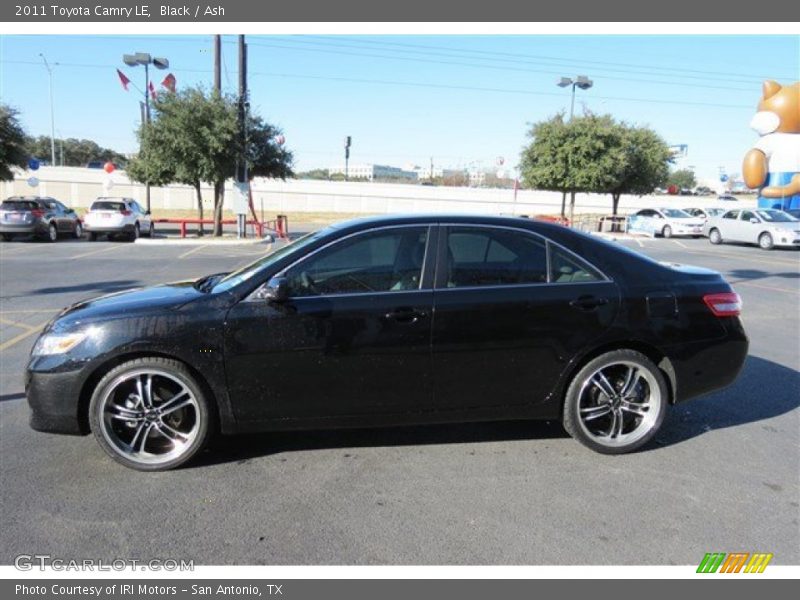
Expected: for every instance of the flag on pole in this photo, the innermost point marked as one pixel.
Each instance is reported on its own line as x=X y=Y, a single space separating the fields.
x=123 y=80
x=152 y=91
x=169 y=82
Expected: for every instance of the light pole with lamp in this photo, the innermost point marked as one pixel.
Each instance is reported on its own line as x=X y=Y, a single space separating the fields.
x=52 y=111
x=584 y=83
x=143 y=58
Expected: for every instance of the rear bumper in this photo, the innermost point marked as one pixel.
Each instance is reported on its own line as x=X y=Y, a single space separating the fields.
x=24 y=229
x=89 y=228
x=703 y=367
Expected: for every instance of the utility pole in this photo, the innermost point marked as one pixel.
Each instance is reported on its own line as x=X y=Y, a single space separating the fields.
x=241 y=169
x=52 y=113
x=347 y=143
x=217 y=61
x=431 y=170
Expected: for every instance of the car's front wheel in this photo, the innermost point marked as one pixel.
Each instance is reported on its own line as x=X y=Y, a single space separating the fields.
x=667 y=231
x=78 y=233
x=616 y=402
x=715 y=237
x=150 y=414
x=765 y=241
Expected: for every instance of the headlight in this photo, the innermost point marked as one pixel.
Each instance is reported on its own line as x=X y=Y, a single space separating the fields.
x=58 y=343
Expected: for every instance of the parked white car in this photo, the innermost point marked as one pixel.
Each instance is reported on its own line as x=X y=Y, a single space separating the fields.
x=117 y=217
x=763 y=226
x=670 y=221
x=704 y=213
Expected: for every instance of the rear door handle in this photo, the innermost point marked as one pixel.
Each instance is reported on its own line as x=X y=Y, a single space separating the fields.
x=406 y=315
x=588 y=302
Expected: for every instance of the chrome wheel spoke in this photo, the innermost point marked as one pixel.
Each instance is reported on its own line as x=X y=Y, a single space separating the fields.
x=604 y=385
x=124 y=413
x=617 y=423
x=176 y=403
x=634 y=408
x=171 y=434
x=595 y=412
x=631 y=379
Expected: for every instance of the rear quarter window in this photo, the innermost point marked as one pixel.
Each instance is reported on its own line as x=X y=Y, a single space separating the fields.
x=105 y=205
x=19 y=205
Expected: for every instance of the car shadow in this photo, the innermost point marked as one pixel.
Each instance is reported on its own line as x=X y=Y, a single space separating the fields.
x=241 y=448
x=750 y=274
x=92 y=286
x=763 y=390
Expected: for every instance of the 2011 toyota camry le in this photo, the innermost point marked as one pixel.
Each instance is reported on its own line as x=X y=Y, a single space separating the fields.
x=390 y=321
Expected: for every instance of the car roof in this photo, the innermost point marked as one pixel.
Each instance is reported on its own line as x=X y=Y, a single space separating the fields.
x=410 y=219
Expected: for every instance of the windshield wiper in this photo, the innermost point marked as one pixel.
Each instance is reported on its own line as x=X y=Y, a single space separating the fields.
x=207 y=283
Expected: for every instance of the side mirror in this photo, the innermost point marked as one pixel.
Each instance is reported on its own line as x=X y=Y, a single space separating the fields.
x=276 y=290
x=753 y=220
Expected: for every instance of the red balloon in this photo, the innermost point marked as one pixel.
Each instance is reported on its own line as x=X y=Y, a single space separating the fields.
x=109 y=167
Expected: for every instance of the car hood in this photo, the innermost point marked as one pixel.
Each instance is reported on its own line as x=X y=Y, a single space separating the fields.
x=788 y=226
x=135 y=301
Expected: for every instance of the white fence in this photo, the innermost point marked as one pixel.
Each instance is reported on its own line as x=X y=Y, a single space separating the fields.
x=77 y=187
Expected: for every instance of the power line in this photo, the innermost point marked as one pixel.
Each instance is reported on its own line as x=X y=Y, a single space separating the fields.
x=427 y=85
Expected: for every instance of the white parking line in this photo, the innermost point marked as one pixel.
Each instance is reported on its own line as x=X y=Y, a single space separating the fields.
x=99 y=250
x=192 y=251
x=681 y=244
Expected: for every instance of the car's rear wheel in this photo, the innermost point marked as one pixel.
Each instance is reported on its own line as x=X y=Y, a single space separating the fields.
x=150 y=414
x=616 y=403
x=667 y=231
x=765 y=241
x=78 y=233
x=714 y=236
x=92 y=237
x=7 y=237
x=52 y=232
x=151 y=231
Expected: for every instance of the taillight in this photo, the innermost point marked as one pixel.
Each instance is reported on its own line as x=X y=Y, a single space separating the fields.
x=37 y=212
x=126 y=212
x=728 y=304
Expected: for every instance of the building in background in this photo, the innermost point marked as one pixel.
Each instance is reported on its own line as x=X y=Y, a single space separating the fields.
x=371 y=172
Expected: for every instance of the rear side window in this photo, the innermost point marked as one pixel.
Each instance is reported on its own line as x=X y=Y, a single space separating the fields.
x=20 y=205
x=106 y=205
x=731 y=214
x=483 y=256
x=567 y=268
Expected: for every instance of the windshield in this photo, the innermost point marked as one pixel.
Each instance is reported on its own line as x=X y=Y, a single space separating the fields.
x=775 y=216
x=674 y=213
x=240 y=275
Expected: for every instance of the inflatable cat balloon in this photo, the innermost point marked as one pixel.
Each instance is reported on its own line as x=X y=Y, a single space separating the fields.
x=773 y=164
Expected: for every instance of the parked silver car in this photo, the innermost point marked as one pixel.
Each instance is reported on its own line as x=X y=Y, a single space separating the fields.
x=766 y=227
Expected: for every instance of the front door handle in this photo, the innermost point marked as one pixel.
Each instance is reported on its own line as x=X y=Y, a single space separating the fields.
x=406 y=315
x=588 y=303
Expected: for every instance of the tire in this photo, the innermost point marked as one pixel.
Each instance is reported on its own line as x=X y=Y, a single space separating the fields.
x=629 y=415
x=667 y=231
x=78 y=233
x=765 y=241
x=136 y=233
x=141 y=432
x=151 y=231
x=52 y=233
x=715 y=237
x=92 y=237
x=7 y=237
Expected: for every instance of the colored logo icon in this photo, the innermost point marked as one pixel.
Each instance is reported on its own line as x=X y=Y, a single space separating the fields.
x=736 y=562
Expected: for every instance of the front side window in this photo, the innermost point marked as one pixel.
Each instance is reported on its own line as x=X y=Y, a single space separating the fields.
x=387 y=260
x=487 y=257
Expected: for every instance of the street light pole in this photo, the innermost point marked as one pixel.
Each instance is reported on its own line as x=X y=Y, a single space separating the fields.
x=583 y=82
x=52 y=112
x=145 y=59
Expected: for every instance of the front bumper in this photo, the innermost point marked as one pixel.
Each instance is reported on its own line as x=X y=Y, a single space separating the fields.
x=54 y=398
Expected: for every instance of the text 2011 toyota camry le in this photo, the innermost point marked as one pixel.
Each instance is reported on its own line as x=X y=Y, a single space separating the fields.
x=387 y=321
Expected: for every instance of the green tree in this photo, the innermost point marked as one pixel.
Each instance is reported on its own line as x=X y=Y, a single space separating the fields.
x=576 y=156
x=73 y=152
x=682 y=178
x=13 y=151
x=644 y=163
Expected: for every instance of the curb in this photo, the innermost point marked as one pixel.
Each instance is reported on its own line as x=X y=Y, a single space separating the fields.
x=203 y=241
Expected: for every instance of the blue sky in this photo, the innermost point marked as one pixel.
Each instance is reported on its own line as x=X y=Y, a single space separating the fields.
x=460 y=99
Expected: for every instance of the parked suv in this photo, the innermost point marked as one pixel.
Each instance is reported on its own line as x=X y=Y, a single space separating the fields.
x=43 y=217
x=117 y=216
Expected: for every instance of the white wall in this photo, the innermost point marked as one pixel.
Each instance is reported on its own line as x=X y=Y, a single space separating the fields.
x=77 y=187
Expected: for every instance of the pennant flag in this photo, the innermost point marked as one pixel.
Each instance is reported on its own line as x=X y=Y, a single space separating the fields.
x=123 y=80
x=152 y=91
x=169 y=82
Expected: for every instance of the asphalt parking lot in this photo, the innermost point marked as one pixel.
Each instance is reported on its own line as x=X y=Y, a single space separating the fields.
x=722 y=475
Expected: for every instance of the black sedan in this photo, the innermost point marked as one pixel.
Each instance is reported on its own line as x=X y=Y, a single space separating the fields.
x=387 y=321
